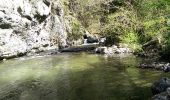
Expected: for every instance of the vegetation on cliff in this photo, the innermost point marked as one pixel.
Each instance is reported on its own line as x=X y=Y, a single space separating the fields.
x=134 y=22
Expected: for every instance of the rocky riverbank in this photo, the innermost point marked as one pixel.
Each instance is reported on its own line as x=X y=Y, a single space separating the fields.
x=113 y=50
x=163 y=66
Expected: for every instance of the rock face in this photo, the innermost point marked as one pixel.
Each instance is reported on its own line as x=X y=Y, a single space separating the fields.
x=31 y=26
x=112 y=50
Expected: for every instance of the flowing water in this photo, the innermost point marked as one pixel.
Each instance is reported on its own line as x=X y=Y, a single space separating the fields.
x=78 y=76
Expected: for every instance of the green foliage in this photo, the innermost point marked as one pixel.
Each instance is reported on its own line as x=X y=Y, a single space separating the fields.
x=130 y=38
x=133 y=22
x=121 y=26
x=77 y=30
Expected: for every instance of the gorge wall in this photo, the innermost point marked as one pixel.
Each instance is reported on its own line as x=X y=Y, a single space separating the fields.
x=31 y=26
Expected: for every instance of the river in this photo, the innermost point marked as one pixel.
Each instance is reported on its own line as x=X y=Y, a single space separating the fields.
x=76 y=76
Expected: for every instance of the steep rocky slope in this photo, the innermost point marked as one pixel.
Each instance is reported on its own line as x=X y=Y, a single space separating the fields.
x=31 y=26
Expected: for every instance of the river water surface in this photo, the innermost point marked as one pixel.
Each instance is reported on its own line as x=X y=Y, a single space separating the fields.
x=78 y=76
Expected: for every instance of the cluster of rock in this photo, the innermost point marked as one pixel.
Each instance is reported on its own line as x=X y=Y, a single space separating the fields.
x=158 y=66
x=113 y=50
x=31 y=26
x=161 y=89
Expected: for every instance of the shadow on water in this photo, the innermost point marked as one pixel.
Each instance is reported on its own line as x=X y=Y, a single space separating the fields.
x=76 y=77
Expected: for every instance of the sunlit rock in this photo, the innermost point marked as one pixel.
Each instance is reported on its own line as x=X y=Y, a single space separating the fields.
x=31 y=26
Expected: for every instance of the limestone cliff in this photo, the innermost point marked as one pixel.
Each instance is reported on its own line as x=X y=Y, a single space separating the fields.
x=31 y=26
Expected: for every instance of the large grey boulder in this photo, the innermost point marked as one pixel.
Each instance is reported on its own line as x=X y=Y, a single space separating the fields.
x=31 y=26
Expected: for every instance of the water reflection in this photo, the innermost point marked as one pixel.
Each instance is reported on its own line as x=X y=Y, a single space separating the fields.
x=78 y=76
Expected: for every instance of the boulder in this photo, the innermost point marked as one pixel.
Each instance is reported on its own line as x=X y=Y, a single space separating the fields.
x=92 y=40
x=101 y=50
x=160 y=85
x=166 y=67
x=102 y=41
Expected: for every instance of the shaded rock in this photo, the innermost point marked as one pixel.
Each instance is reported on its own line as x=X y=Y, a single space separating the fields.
x=92 y=40
x=162 y=96
x=102 y=41
x=160 y=85
x=166 y=67
x=101 y=50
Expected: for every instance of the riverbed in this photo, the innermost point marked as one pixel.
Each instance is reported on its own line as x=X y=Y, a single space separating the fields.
x=76 y=76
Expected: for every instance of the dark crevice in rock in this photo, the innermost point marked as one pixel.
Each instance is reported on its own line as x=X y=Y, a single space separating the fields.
x=19 y=10
x=2 y=11
x=45 y=45
x=27 y=17
x=1 y=19
x=46 y=2
x=5 y=26
x=56 y=10
x=21 y=54
x=40 y=18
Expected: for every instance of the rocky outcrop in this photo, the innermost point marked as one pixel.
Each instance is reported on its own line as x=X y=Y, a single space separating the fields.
x=31 y=26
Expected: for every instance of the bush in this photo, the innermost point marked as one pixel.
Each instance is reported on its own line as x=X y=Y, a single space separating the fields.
x=76 y=31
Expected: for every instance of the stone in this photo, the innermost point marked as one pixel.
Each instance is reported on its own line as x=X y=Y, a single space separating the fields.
x=101 y=50
x=160 y=85
x=102 y=41
x=92 y=40
x=166 y=67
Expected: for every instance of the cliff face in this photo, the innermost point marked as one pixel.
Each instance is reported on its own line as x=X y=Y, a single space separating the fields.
x=31 y=26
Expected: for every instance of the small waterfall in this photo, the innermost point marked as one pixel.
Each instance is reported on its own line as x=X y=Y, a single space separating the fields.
x=85 y=41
